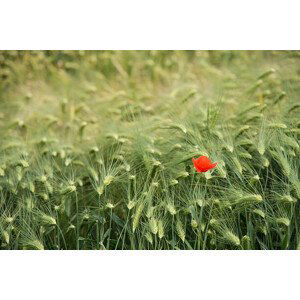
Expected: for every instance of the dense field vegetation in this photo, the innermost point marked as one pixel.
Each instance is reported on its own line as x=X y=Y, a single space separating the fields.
x=96 y=149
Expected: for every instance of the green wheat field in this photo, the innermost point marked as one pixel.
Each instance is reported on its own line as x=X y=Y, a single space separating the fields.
x=96 y=150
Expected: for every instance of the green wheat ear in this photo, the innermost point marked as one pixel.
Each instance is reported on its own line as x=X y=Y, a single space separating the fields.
x=180 y=230
x=280 y=97
x=137 y=216
x=283 y=221
x=171 y=209
x=194 y=224
x=259 y=212
x=277 y=126
x=68 y=189
x=161 y=231
x=283 y=161
x=261 y=148
x=149 y=238
x=246 y=242
x=231 y=238
x=131 y=204
x=290 y=142
x=250 y=199
x=5 y=236
x=265 y=162
x=238 y=165
x=287 y=199
x=153 y=224
x=266 y=74
x=47 y=220
x=35 y=244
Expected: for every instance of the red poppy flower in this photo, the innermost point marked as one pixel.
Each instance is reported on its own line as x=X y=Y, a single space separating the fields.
x=203 y=164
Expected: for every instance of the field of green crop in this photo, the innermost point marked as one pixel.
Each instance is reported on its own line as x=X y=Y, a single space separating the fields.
x=96 y=149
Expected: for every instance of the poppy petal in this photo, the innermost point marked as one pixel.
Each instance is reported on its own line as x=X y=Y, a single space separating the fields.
x=203 y=164
x=213 y=165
